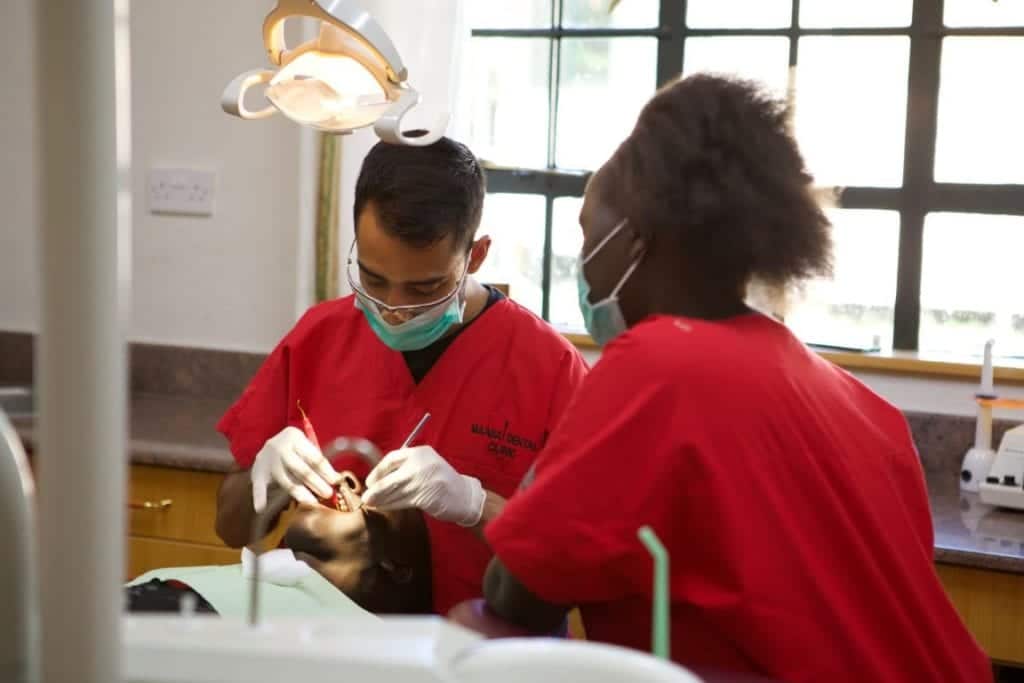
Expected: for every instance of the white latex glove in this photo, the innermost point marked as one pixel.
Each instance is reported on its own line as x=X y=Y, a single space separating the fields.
x=420 y=478
x=291 y=461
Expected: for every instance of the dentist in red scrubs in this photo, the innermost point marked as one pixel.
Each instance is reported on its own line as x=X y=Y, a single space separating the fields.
x=789 y=495
x=420 y=335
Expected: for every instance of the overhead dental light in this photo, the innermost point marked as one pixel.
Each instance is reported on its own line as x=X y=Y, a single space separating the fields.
x=349 y=77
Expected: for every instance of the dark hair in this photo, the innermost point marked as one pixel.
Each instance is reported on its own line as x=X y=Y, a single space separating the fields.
x=423 y=194
x=712 y=159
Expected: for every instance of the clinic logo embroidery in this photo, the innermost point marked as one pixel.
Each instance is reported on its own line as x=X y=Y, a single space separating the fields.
x=505 y=443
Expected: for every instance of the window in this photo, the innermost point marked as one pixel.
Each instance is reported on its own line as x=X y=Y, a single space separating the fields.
x=555 y=86
x=909 y=106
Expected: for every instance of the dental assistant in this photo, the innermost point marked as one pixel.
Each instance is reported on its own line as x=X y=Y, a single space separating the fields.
x=789 y=495
x=420 y=335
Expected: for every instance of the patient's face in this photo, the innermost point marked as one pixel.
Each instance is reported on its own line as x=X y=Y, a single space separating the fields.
x=380 y=560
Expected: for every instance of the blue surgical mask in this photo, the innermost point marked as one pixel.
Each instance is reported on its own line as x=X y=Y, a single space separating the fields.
x=416 y=333
x=429 y=323
x=603 y=320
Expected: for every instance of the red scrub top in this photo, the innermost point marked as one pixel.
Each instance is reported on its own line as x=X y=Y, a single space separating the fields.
x=790 y=497
x=494 y=395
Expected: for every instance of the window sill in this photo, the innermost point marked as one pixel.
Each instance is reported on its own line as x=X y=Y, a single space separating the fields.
x=581 y=341
x=906 y=363
x=922 y=364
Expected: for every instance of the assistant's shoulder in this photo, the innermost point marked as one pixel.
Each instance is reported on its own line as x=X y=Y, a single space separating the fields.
x=679 y=347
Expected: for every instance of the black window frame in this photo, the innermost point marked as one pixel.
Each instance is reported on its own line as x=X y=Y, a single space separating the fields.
x=919 y=194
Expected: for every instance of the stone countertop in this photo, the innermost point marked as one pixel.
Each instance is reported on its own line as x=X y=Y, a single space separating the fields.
x=970 y=533
x=169 y=431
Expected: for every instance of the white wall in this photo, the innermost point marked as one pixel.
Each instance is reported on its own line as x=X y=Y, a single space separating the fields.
x=228 y=281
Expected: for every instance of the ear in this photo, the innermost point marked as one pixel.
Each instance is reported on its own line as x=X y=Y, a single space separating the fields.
x=478 y=253
x=639 y=246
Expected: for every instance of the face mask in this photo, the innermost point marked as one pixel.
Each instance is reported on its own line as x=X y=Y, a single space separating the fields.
x=603 y=319
x=418 y=332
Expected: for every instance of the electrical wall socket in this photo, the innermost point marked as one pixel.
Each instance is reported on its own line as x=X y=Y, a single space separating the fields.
x=181 y=191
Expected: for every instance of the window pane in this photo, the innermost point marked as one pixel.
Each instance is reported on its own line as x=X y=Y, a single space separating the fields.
x=594 y=13
x=566 y=242
x=738 y=13
x=515 y=223
x=857 y=304
x=980 y=13
x=507 y=113
x=970 y=283
x=851 y=108
x=870 y=13
x=605 y=83
x=979 y=137
x=764 y=59
x=518 y=14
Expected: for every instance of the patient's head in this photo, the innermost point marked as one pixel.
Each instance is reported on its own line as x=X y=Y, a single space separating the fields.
x=380 y=560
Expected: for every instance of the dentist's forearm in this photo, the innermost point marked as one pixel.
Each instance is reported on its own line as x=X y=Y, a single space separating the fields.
x=493 y=505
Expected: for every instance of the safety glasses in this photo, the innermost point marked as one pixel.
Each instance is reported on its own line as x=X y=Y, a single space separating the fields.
x=410 y=310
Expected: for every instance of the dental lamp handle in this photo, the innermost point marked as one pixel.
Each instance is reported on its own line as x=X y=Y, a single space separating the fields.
x=232 y=100
x=389 y=126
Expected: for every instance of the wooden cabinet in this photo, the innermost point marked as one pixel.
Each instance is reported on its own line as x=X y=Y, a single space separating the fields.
x=170 y=519
x=145 y=554
x=171 y=514
x=992 y=605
